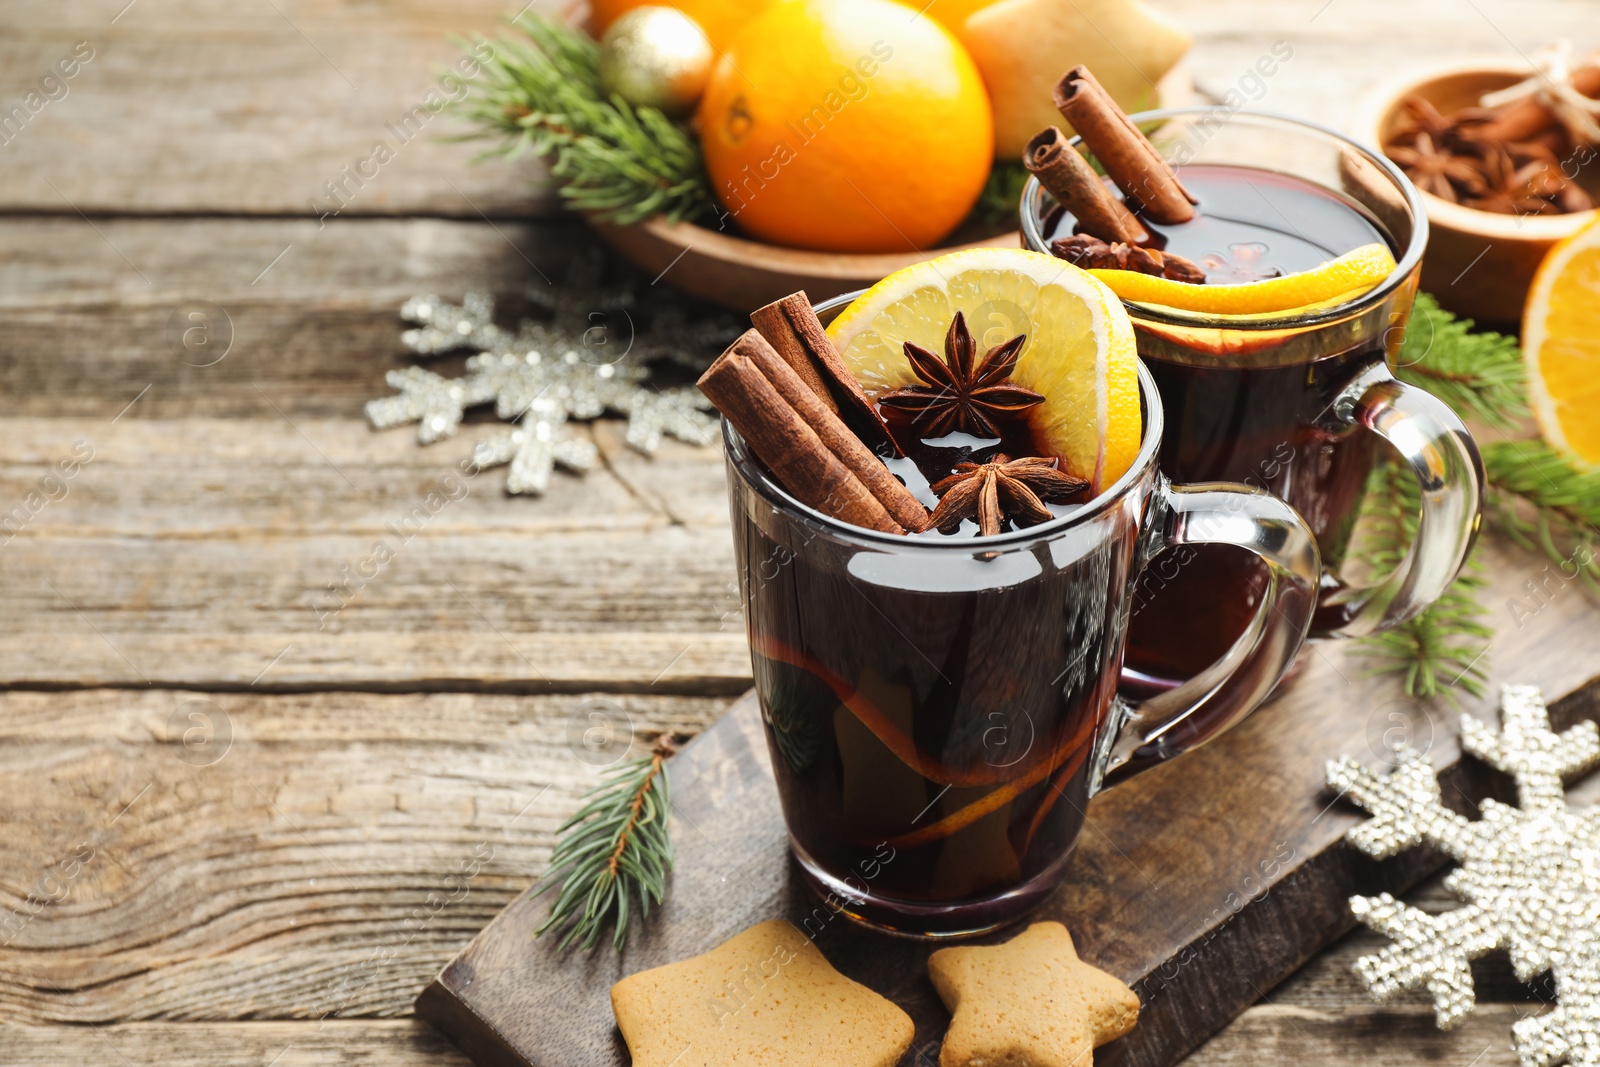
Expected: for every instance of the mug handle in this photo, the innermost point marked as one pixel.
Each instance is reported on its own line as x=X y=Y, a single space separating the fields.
x=1139 y=736
x=1441 y=453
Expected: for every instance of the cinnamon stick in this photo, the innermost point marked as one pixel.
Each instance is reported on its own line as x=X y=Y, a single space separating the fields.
x=775 y=322
x=1076 y=187
x=1521 y=120
x=808 y=449
x=792 y=328
x=901 y=505
x=783 y=441
x=1127 y=155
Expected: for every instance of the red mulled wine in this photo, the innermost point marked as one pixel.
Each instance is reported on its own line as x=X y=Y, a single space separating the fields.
x=927 y=460
x=1251 y=408
x=940 y=709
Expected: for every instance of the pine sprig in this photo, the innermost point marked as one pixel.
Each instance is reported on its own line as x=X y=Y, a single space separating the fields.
x=1546 y=504
x=616 y=162
x=997 y=205
x=1537 y=497
x=1443 y=646
x=1480 y=375
x=615 y=851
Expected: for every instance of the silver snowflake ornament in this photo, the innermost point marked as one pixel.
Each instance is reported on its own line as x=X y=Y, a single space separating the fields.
x=542 y=377
x=1529 y=876
x=673 y=412
x=434 y=403
x=444 y=327
x=535 y=448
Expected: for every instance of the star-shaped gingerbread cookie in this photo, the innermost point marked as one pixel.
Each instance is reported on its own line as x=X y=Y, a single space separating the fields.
x=1030 y=1000
x=764 y=998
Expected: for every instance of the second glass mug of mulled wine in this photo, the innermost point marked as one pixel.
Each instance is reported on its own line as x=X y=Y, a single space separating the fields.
x=939 y=710
x=1299 y=403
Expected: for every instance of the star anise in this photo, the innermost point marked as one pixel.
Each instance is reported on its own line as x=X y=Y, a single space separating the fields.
x=1506 y=160
x=1422 y=118
x=1436 y=170
x=1082 y=250
x=1514 y=190
x=959 y=395
x=1001 y=489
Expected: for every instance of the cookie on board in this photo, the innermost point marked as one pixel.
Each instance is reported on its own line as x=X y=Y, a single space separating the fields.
x=764 y=998
x=1030 y=1000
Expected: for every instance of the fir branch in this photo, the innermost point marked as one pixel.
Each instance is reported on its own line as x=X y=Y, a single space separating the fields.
x=1546 y=504
x=996 y=209
x=615 y=850
x=1480 y=375
x=1537 y=497
x=1443 y=646
x=619 y=163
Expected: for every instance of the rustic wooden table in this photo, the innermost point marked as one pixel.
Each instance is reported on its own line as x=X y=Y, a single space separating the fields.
x=277 y=890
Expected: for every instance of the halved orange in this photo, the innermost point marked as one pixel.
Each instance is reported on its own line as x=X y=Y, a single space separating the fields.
x=1561 y=344
x=1079 y=354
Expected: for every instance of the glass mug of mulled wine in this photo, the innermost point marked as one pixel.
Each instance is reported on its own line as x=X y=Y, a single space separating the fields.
x=1299 y=403
x=939 y=709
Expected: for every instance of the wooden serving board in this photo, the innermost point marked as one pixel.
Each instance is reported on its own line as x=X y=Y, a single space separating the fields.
x=1202 y=884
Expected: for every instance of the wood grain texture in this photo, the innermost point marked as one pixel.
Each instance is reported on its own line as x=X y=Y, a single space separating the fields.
x=194 y=553
x=200 y=855
x=1273 y=1034
x=1265 y=1034
x=1344 y=47
x=368 y=1043
x=1199 y=907
x=313 y=315
x=48 y=265
x=200 y=905
x=226 y=478
x=201 y=107
x=249 y=111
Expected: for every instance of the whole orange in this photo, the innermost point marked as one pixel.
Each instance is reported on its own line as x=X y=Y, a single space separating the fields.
x=846 y=125
x=720 y=19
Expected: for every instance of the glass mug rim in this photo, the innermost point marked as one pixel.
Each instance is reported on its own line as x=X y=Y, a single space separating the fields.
x=863 y=537
x=1409 y=261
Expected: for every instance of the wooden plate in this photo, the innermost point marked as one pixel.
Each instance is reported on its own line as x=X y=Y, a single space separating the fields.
x=743 y=274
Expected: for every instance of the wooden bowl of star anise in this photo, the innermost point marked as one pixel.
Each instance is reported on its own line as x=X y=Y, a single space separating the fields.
x=1502 y=183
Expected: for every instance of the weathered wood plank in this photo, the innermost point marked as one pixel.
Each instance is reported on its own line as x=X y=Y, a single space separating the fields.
x=584 y=610
x=1282 y=1034
x=200 y=587
x=364 y=1043
x=1342 y=48
x=197 y=107
x=195 y=552
x=88 y=314
x=53 y=264
x=1202 y=884
x=188 y=855
x=230 y=478
x=1399 y=1037
x=421 y=660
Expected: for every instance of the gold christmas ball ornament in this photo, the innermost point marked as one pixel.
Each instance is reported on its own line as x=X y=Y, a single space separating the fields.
x=656 y=57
